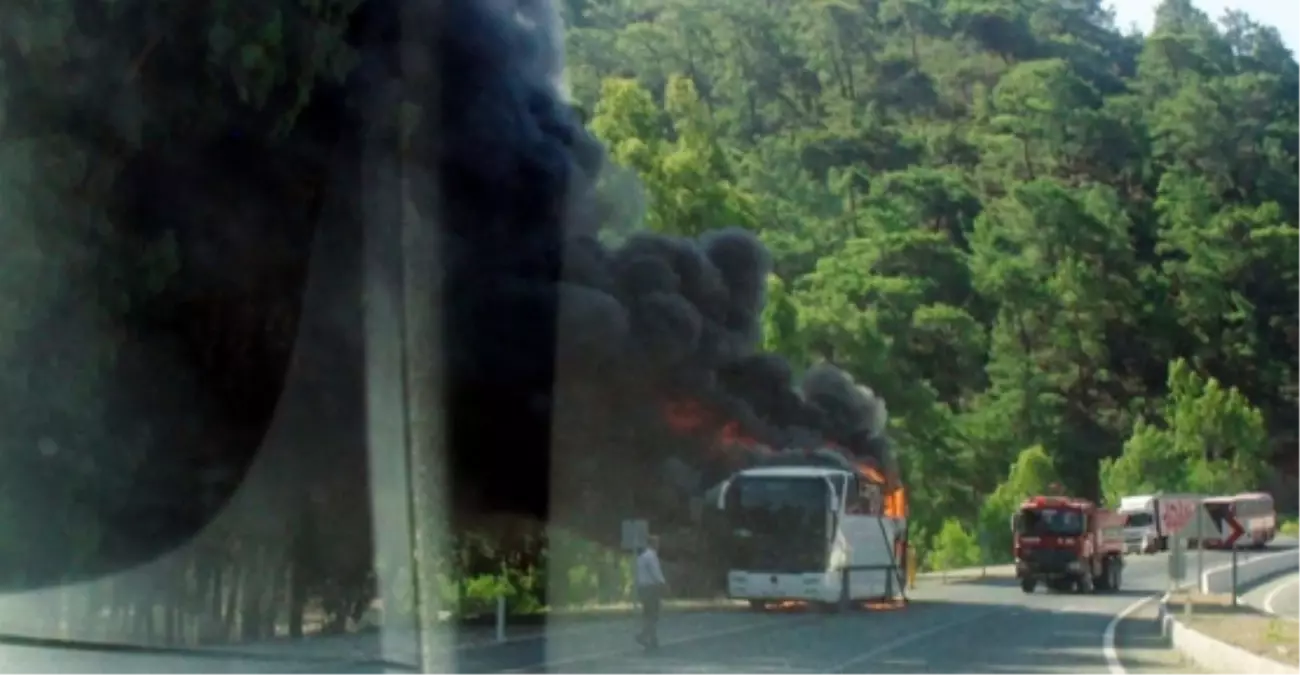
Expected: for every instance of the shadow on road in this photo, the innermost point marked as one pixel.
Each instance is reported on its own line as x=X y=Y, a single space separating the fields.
x=1123 y=593
x=928 y=636
x=998 y=581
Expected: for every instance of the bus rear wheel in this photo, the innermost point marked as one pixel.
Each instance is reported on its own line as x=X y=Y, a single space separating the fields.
x=757 y=605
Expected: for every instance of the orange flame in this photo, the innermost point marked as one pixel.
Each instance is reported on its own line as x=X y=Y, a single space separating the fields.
x=731 y=441
x=895 y=505
x=693 y=417
x=867 y=470
x=732 y=434
x=685 y=416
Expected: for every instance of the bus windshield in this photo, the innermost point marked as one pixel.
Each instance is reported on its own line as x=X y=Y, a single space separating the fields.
x=1039 y=522
x=779 y=523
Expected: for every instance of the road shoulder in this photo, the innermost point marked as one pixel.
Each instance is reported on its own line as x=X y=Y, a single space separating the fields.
x=1277 y=597
x=1141 y=648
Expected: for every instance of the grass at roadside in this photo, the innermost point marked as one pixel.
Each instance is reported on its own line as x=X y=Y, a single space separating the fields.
x=969 y=574
x=1241 y=626
x=604 y=611
x=669 y=604
x=1290 y=526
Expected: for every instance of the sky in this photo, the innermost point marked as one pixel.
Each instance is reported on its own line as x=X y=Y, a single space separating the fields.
x=1281 y=14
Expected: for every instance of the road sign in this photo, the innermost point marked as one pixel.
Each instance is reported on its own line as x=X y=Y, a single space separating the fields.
x=1234 y=532
x=1191 y=517
x=636 y=532
x=1220 y=513
x=1176 y=513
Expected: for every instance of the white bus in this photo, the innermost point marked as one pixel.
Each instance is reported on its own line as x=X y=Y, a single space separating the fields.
x=796 y=530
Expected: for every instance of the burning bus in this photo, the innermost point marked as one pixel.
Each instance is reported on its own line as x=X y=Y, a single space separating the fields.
x=827 y=532
x=824 y=519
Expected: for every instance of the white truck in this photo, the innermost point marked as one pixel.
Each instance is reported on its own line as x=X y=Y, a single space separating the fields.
x=1151 y=519
x=811 y=534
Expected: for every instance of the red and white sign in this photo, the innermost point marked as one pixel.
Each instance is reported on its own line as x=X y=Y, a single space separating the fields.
x=1176 y=514
x=1235 y=530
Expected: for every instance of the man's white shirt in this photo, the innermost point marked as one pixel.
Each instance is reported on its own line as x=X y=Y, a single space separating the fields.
x=648 y=572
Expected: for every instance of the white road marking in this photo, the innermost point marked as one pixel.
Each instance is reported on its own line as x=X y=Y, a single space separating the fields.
x=895 y=644
x=1108 y=637
x=1272 y=595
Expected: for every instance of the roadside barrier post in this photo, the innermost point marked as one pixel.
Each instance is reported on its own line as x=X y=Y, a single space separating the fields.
x=983 y=540
x=501 y=618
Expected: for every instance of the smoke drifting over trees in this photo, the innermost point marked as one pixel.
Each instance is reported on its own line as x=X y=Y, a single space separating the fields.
x=537 y=304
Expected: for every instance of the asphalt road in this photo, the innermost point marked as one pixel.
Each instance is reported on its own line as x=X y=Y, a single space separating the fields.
x=1280 y=596
x=988 y=626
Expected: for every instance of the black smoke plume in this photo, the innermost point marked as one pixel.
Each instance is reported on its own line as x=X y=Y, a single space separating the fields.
x=580 y=345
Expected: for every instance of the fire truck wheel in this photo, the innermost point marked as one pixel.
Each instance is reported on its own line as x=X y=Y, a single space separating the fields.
x=1027 y=585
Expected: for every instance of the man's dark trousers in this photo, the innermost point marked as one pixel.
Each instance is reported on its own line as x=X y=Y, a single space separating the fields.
x=651 y=597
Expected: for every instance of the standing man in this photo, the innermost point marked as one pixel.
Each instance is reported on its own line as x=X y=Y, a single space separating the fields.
x=650 y=587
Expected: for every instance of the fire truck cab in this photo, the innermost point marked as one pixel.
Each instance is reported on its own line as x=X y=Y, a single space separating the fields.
x=1068 y=543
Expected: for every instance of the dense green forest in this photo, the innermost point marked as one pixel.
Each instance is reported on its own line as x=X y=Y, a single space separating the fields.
x=1058 y=250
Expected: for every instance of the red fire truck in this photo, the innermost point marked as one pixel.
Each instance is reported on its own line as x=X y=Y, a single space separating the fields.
x=1068 y=543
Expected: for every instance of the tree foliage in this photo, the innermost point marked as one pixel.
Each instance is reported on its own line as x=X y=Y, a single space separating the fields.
x=1033 y=473
x=1011 y=218
x=1206 y=439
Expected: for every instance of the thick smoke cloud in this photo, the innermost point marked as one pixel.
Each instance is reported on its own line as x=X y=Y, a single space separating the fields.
x=565 y=349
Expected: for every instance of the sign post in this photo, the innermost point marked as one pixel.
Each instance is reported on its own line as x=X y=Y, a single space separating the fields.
x=1176 y=514
x=1177 y=564
x=1234 y=577
x=1234 y=533
x=1200 y=552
